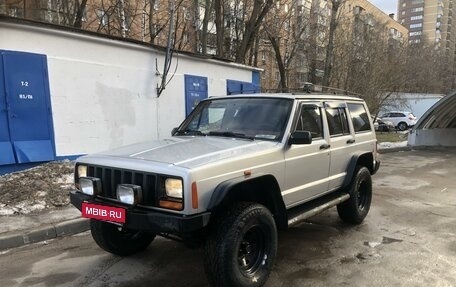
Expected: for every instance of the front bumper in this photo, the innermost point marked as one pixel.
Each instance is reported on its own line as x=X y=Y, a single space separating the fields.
x=149 y=220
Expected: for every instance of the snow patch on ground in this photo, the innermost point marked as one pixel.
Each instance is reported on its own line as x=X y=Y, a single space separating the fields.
x=44 y=187
x=387 y=145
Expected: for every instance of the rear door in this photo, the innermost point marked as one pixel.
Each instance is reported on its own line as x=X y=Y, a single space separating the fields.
x=341 y=140
x=307 y=166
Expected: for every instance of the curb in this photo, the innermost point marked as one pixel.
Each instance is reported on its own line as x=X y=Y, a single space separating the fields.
x=394 y=149
x=42 y=233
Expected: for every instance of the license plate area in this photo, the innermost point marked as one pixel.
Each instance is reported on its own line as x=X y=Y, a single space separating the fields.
x=103 y=212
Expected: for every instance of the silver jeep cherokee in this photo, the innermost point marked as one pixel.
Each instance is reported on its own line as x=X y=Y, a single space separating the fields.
x=234 y=172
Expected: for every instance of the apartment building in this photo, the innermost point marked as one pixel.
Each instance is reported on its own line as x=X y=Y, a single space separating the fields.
x=431 y=20
x=364 y=18
x=356 y=19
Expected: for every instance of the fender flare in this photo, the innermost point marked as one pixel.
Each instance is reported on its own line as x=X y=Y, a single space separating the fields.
x=352 y=166
x=223 y=193
x=222 y=190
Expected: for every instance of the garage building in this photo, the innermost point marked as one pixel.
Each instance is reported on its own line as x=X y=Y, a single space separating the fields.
x=66 y=92
x=437 y=127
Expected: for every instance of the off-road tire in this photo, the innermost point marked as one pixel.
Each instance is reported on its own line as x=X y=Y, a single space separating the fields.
x=355 y=209
x=119 y=241
x=241 y=247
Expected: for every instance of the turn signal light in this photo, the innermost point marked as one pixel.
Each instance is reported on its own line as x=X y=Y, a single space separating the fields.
x=194 y=196
x=170 y=204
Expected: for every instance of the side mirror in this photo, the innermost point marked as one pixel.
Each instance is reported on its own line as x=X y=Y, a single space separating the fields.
x=173 y=131
x=300 y=137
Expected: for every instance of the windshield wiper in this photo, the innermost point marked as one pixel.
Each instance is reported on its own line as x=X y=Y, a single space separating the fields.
x=231 y=135
x=190 y=133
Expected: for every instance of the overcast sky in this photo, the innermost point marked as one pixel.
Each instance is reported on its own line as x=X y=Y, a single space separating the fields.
x=387 y=6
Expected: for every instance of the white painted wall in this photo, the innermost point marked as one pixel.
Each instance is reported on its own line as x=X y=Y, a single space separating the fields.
x=433 y=137
x=103 y=91
x=416 y=103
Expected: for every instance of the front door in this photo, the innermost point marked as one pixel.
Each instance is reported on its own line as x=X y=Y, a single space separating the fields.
x=307 y=166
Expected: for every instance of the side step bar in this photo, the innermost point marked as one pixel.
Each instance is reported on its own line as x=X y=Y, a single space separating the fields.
x=306 y=210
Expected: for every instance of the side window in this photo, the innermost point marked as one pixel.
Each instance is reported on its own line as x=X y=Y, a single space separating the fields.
x=310 y=120
x=359 y=117
x=337 y=121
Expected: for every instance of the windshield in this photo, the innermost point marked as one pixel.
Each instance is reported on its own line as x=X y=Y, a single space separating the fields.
x=250 y=118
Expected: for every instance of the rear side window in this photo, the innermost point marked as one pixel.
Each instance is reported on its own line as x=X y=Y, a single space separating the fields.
x=359 y=117
x=337 y=121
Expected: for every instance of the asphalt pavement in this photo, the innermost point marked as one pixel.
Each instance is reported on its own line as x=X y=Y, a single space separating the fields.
x=406 y=240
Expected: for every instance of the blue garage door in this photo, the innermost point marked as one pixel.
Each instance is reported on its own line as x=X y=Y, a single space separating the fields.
x=195 y=91
x=27 y=110
x=6 y=149
x=234 y=87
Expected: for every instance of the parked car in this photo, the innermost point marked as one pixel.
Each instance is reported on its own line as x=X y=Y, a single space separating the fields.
x=238 y=169
x=401 y=120
x=383 y=126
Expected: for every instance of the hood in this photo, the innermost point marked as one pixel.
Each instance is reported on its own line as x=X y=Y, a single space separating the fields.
x=189 y=152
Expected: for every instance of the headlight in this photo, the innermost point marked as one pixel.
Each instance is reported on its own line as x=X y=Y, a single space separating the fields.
x=129 y=193
x=173 y=187
x=82 y=170
x=90 y=185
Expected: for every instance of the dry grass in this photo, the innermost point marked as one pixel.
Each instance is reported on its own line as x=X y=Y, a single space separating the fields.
x=392 y=136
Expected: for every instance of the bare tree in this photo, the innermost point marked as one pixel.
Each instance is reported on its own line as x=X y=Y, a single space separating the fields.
x=335 y=5
x=80 y=8
x=285 y=28
x=204 y=34
x=259 y=11
x=429 y=68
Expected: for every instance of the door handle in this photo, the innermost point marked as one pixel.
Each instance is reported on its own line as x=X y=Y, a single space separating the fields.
x=325 y=146
x=350 y=141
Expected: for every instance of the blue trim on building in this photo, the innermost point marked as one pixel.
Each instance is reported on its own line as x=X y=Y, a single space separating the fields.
x=234 y=87
x=256 y=78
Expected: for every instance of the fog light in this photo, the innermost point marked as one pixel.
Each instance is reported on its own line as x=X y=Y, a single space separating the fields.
x=129 y=193
x=90 y=185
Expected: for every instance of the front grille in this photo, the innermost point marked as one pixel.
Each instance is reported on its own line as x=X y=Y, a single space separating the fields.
x=111 y=177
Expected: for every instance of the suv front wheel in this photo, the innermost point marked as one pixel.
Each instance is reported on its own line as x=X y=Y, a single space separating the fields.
x=356 y=208
x=241 y=247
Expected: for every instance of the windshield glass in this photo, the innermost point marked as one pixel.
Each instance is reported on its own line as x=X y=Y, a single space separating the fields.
x=251 y=118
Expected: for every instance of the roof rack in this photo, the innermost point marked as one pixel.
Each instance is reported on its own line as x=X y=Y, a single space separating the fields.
x=311 y=88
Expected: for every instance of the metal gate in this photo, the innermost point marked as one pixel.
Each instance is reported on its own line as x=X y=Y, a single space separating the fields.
x=195 y=91
x=234 y=87
x=26 y=133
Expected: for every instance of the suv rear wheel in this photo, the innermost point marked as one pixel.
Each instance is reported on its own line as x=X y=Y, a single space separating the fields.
x=402 y=126
x=117 y=240
x=242 y=246
x=356 y=208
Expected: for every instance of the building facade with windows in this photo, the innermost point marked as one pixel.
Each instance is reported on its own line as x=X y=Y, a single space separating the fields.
x=431 y=20
x=301 y=28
